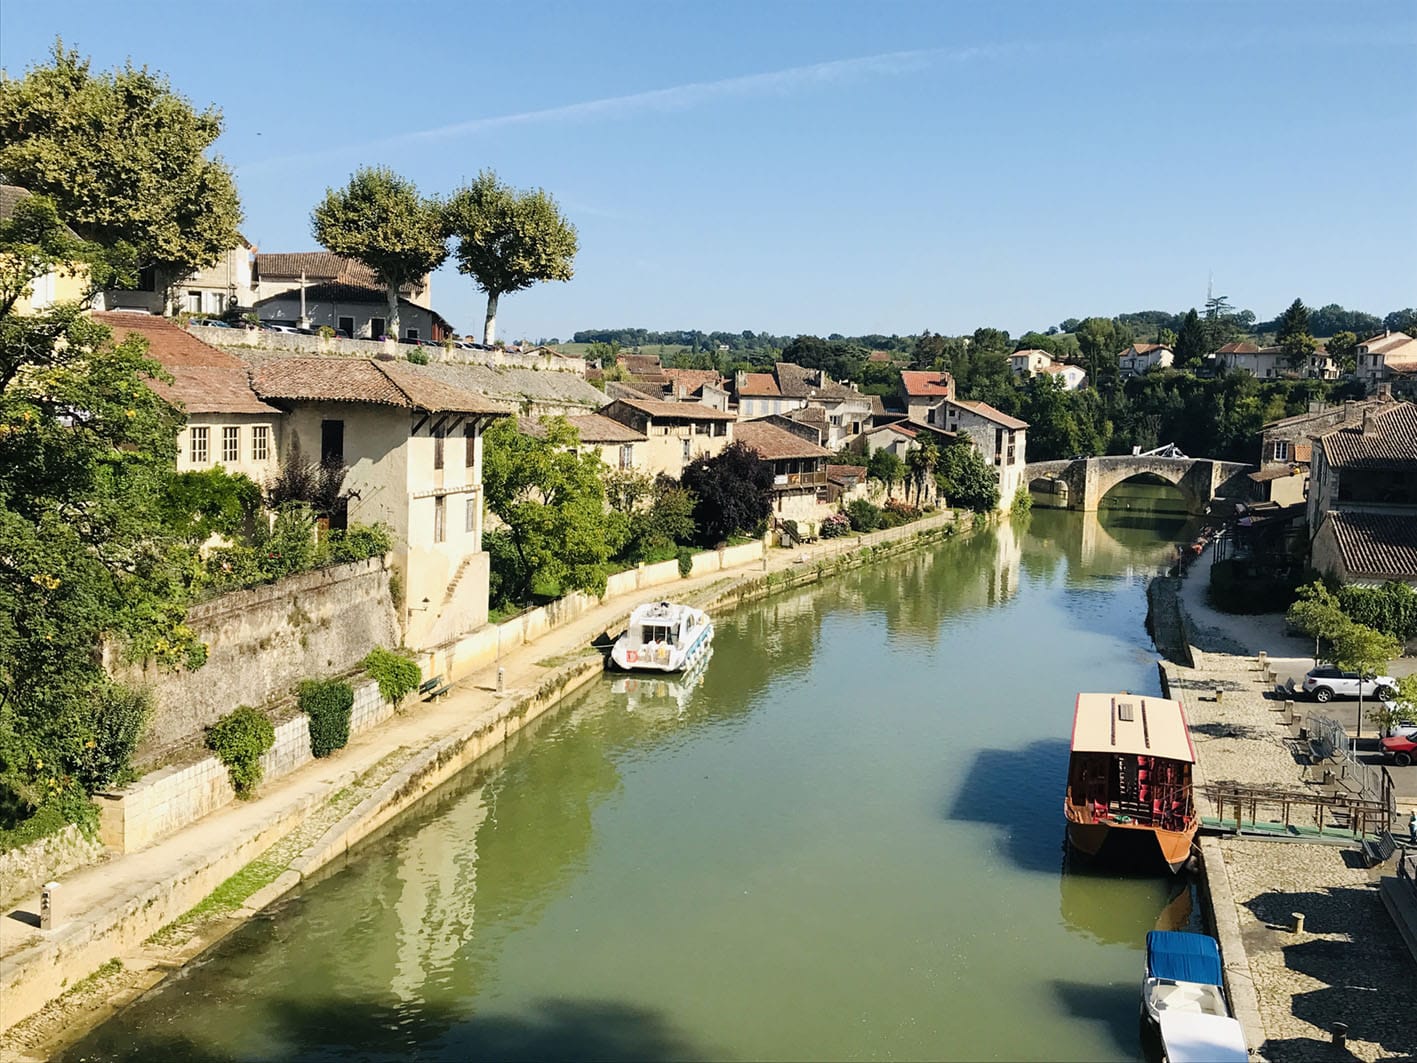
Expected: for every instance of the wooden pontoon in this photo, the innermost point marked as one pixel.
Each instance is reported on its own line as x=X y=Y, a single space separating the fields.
x=1129 y=775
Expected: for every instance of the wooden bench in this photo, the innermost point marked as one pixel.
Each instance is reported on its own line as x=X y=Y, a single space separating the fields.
x=1378 y=850
x=432 y=688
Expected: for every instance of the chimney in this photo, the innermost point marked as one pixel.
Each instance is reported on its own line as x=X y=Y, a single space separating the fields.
x=1370 y=423
x=1385 y=392
x=740 y=378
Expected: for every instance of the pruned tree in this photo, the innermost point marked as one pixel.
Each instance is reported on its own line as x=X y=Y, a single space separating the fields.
x=379 y=219
x=123 y=158
x=508 y=240
x=965 y=479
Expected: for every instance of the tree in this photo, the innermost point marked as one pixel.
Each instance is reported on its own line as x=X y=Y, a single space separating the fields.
x=508 y=240
x=1191 y=344
x=1365 y=650
x=1099 y=343
x=1343 y=348
x=552 y=501
x=732 y=491
x=379 y=219
x=965 y=480
x=123 y=158
x=921 y=461
x=884 y=466
x=1316 y=612
x=1293 y=334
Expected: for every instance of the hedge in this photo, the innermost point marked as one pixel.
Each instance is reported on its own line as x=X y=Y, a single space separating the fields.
x=328 y=703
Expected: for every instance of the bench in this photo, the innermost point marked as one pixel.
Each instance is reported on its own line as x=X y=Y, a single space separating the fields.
x=433 y=688
x=1378 y=850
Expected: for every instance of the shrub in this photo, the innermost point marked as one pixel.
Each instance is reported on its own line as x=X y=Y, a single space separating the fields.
x=328 y=703
x=1391 y=608
x=1023 y=501
x=239 y=739
x=290 y=544
x=358 y=542
x=397 y=673
x=418 y=357
x=118 y=722
x=864 y=516
x=686 y=561
x=835 y=526
x=326 y=332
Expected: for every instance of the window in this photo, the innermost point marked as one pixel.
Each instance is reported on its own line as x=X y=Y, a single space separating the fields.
x=998 y=446
x=411 y=334
x=219 y=303
x=627 y=456
x=376 y=328
x=438 y=434
x=720 y=428
x=440 y=519
x=701 y=428
x=231 y=445
x=194 y=302
x=469 y=434
x=260 y=443
x=1281 y=450
x=471 y=514
x=331 y=442
x=200 y=438
x=147 y=279
x=345 y=325
x=686 y=450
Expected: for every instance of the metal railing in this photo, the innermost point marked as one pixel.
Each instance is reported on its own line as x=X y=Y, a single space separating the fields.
x=1328 y=813
x=1329 y=742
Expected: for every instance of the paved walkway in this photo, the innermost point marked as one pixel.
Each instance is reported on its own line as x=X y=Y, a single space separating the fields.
x=98 y=897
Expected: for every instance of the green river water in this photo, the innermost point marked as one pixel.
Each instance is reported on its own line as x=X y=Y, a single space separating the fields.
x=844 y=842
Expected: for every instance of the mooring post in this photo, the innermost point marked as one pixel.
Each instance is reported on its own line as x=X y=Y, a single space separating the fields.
x=1298 y=925
x=501 y=680
x=1339 y=1030
x=48 y=913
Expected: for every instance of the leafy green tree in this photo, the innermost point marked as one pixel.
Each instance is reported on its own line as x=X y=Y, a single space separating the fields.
x=1099 y=342
x=1365 y=650
x=966 y=480
x=508 y=240
x=732 y=492
x=123 y=158
x=1343 y=348
x=552 y=501
x=1317 y=613
x=34 y=242
x=379 y=219
x=1294 y=338
x=1191 y=347
x=886 y=468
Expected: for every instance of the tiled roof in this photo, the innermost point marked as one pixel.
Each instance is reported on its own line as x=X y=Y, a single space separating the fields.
x=808 y=414
x=1275 y=472
x=204 y=379
x=316 y=265
x=1385 y=342
x=1062 y=367
x=1376 y=544
x=1144 y=348
x=776 y=444
x=691 y=379
x=925 y=384
x=1031 y=351
x=12 y=196
x=799 y=382
x=1390 y=442
x=898 y=427
x=365 y=380
x=759 y=385
x=594 y=428
x=681 y=411
x=1239 y=347
x=983 y=409
x=846 y=474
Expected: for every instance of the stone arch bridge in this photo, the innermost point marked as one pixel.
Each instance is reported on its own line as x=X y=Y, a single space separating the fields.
x=1082 y=483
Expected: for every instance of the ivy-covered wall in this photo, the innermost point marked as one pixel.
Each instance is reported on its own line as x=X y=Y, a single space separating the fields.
x=262 y=641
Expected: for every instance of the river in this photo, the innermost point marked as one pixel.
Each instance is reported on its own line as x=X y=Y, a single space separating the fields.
x=844 y=842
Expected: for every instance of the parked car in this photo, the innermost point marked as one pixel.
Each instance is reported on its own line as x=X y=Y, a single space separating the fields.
x=1400 y=730
x=1401 y=750
x=279 y=326
x=1325 y=684
x=210 y=322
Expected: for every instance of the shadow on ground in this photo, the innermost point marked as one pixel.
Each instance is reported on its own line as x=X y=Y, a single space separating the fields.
x=353 y=1029
x=1112 y=1006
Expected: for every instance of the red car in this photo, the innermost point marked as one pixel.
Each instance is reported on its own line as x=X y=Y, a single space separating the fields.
x=1401 y=750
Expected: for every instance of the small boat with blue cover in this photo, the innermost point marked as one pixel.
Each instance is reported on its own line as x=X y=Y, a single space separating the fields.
x=1183 y=1000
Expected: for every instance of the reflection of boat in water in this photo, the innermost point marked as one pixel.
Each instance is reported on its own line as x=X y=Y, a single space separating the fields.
x=1183 y=1003
x=1129 y=776
x=651 y=692
x=663 y=637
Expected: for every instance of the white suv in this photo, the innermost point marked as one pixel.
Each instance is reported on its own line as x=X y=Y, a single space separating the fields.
x=1325 y=684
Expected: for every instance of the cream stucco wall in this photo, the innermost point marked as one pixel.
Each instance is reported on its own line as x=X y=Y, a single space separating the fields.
x=670 y=448
x=246 y=425
x=69 y=284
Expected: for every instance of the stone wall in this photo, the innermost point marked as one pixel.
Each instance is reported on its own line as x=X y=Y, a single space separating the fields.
x=24 y=870
x=167 y=800
x=262 y=641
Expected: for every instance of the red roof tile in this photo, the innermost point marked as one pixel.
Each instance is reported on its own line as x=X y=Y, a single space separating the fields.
x=776 y=444
x=920 y=383
x=759 y=385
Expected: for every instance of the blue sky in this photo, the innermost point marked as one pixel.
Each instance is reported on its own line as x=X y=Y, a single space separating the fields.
x=824 y=167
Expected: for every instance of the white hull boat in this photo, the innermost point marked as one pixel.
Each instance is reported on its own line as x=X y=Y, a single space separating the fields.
x=663 y=637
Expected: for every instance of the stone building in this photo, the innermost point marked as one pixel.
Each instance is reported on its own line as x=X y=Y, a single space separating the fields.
x=675 y=432
x=999 y=438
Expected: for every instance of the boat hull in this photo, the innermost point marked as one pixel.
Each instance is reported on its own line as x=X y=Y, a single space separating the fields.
x=1172 y=846
x=661 y=659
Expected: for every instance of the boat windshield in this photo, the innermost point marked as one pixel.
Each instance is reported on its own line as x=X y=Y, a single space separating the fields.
x=658 y=633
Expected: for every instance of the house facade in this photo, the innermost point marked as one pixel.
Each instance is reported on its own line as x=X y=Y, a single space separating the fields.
x=1027 y=362
x=211 y=291
x=617 y=445
x=412 y=448
x=1140 y=357
x=793 y=387
x=1363 y=497
x=1001 y=440
x=799 y=469
x=325 y=289
x=68 y=283
x=675 y=433
x=1286 y=446
x=1388 y=357
x=922 y=391
x=1272 y=363
x=1072 y=376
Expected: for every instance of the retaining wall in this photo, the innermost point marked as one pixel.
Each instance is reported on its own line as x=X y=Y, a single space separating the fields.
x=169 y=799
x=24 y=870
x=261 y=642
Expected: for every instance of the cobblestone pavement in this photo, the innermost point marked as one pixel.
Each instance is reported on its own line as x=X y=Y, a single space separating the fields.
x=1349 y=965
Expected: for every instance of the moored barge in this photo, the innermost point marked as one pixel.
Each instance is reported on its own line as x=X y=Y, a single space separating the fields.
x=1130 y=776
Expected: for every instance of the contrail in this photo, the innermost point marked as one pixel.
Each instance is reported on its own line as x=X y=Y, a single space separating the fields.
x=679 y=97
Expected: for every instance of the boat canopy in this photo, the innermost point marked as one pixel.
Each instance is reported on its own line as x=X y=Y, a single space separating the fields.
x=1183 y=957
x=1132 y=723
x=1189 y=1037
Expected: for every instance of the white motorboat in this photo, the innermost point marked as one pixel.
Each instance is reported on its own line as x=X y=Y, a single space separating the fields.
x=1183 y=1002
x=1191 y=1037
x=663 y=637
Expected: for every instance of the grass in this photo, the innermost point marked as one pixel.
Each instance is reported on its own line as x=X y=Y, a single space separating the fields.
x=226 y=898
x=564 y=658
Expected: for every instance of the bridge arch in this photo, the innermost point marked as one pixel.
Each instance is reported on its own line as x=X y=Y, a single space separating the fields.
x=1175 y=472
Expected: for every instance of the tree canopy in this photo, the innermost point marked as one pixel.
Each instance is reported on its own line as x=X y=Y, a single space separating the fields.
x=965 y=479
x=508 y=240
x=1293 y=334
x=123 y=158
x=380 y=219
x=732 y=492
